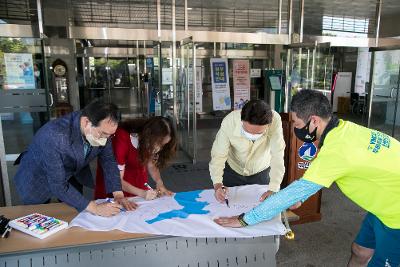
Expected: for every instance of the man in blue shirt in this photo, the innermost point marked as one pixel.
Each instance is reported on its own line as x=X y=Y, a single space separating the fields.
x=60 y=153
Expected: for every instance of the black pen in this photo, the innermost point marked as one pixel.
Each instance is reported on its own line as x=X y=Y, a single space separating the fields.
x=226 y=196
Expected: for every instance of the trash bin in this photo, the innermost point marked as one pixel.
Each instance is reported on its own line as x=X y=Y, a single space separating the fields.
x=343 y=105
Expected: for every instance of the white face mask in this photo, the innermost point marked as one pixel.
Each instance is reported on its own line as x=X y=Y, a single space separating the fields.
x=250 y=136
x=94 y=141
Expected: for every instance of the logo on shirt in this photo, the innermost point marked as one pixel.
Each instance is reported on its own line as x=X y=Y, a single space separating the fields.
x=307 y=151
x=303 y=165
x=377 y=141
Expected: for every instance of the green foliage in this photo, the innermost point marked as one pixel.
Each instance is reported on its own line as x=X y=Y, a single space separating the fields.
x=12 y=45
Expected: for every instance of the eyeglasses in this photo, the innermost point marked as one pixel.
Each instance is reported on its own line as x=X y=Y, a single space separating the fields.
x=102 y=134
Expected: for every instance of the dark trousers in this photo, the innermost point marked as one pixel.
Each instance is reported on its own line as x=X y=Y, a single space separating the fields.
x=232 y=178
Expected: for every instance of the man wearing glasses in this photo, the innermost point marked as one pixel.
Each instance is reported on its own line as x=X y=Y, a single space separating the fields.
x=56 y=164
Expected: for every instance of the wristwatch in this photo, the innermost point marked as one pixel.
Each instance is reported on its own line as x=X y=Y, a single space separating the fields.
x=241 y=220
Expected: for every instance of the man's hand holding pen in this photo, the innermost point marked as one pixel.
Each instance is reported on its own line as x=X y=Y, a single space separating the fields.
x=221 y=193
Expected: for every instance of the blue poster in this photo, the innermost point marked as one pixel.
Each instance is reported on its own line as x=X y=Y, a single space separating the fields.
x=19 y=71
x=219 y=71
x=220 y=84
x=149 y=62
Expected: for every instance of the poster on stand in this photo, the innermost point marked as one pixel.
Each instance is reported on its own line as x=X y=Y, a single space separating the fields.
x=241 y=83
x=363 y=70
x=199 y=90
x=19 y=71
x=220 y=84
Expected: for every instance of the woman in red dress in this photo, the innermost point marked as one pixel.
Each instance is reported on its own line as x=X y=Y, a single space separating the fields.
x=141 y=147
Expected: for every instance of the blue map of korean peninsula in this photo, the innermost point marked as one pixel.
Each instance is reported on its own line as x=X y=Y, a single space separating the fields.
x=190 y=206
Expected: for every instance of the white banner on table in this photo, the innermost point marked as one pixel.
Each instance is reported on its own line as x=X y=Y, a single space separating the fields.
x=188 y=214
x=220 y=84
x=241 y=83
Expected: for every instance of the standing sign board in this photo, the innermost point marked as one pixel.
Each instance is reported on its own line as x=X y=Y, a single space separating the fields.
x=363 y=70
x=199 y=90
x=220 y=84
x=241 y=83
x=274 y=85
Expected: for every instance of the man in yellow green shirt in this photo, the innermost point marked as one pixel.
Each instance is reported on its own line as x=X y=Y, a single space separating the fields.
x=248 y=149
x=363 y=162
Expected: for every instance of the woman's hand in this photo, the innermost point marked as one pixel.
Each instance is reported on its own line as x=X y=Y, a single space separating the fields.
x=149 y=194
x=163 y=191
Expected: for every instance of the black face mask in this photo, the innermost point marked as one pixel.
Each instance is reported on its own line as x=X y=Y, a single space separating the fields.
x=304 y=135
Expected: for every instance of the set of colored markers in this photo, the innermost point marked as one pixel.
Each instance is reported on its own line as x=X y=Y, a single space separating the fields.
x=38 y=225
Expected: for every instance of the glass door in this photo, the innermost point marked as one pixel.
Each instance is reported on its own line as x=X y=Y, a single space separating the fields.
x=310 y=66
x=115 y=79
x=24 y=108
x=157 y=85
x=98 y=81
x=185 y=95
x=119 y=83
x=132 y=94
x=301 y=68
x=384 y=112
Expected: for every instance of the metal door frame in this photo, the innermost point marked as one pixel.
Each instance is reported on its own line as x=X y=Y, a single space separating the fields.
x=185 y=42
x=157 y=46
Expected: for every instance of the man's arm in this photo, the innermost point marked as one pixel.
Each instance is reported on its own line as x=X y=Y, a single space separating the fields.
x=112 y=178
x=277 y=164
x=52 y=164
x=297 y=191
x=219 y=155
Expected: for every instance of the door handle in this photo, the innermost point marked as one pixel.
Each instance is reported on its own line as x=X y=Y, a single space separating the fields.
x=391 y=92
x=51 y=100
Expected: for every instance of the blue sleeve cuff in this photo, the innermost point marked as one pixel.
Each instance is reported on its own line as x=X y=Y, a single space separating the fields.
x=82 y=205
x=297 y=191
